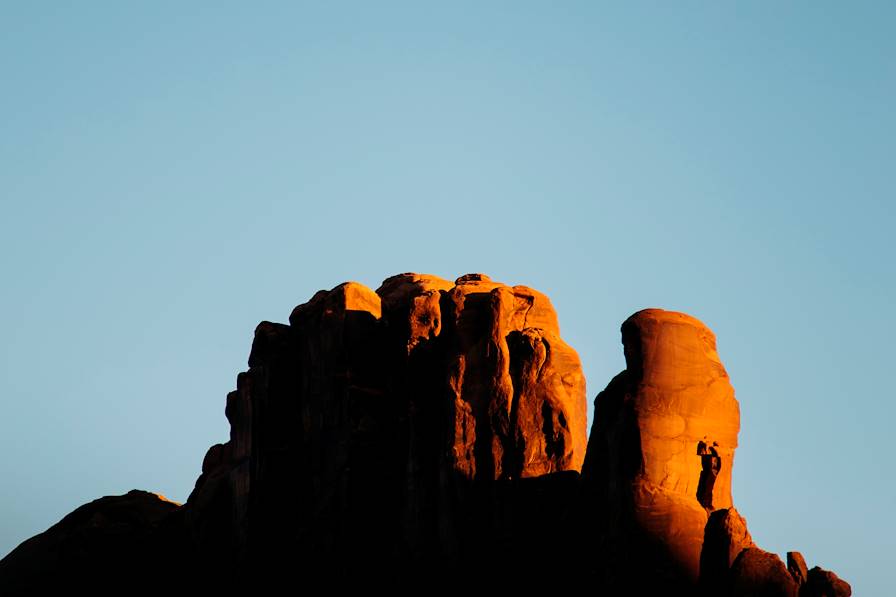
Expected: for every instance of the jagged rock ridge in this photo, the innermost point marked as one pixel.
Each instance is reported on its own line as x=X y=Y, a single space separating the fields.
x=432 y=427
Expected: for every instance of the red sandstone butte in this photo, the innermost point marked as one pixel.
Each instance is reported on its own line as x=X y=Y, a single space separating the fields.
x=435 y=431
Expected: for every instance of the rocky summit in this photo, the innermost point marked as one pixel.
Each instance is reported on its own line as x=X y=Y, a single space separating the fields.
x=433 y=434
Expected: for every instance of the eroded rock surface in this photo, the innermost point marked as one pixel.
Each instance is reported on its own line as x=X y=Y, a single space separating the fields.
x=657 y=473
x=662 y=444
x=366 y=427
x=725 y=536
x=433 y=431
x=758 y=573
x=824 y=583
x=796 y=565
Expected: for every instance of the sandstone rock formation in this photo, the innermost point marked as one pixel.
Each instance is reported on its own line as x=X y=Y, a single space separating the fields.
x=360 y=427
x=658 y=470
x=662 y=444
x=100 y=545
x=824 y=583
x=433 y=429
x=724 y=538
x=796 y=566
x=758 y=572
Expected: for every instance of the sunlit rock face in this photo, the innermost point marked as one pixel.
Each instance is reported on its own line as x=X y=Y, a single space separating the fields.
x=431 y=433
x=662 y=443
x=365 y=427
x=516 y=389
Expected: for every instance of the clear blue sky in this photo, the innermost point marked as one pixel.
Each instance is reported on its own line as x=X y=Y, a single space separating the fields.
x=173 y=173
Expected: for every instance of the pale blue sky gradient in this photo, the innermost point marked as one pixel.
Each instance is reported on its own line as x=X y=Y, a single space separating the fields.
x=173 y=173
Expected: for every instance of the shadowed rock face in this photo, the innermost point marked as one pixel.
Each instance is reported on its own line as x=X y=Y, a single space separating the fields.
x=436 y=430
x=824 y=583
x=369 y=427
x=758 y=572
x=725 y=537
x=100 y=545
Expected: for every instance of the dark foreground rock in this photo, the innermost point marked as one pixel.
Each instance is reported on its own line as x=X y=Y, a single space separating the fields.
x=102 y=545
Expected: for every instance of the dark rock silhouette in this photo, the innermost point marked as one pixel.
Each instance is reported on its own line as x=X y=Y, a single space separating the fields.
x=824 y=583
x=435 y=432
x=725 y=537
x=101 y=545
x=758 y=572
